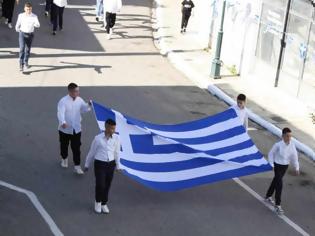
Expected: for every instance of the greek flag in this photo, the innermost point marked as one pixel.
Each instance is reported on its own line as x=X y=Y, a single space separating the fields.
x=175 y=157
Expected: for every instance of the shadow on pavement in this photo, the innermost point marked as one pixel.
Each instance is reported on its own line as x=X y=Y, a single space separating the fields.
x=70 y=65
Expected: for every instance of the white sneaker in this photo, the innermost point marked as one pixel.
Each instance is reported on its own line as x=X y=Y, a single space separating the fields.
x=10 y=25
x=105 y=209
x=6 y=21
x=269 y=200
x=108 y=36
x=78 y=170
x=111 y=31
x=279 y=210
x=98 y=207
x=64 y=163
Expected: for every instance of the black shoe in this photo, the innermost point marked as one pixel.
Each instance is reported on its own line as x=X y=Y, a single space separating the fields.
x=97 y=19
x=181 y=31
x=184 y=30
x=46 y=13
x=53 y=33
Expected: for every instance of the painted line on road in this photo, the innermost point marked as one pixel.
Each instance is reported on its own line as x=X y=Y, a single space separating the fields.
x=261 y=199
x=52 y=225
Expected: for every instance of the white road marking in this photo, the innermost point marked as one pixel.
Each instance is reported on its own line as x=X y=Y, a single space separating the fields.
x=52 y=225
x=261 y=199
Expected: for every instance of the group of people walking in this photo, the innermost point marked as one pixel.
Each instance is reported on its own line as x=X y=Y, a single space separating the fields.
x=27 y=21
x=105 y=147
x=280 y=156
x=106 y=11
x=104 y=150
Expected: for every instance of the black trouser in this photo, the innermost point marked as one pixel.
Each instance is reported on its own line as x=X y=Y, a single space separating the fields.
x=276 y=184
x=110 y=21
x=7 y=9
x=185 y=18
x=56 y=16
x=75 y=140
x=104 y=173
x=48 y=5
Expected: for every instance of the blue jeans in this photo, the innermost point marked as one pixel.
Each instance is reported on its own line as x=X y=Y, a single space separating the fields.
x=99 y=8
x=25 y=42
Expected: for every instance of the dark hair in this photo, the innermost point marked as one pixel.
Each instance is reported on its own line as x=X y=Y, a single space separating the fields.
x=286 y=130
x=241 y=97
x=27 y=4
x=72 y=86
x=110 y=122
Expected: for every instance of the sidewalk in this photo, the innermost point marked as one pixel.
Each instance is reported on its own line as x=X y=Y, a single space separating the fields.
x=271 y=107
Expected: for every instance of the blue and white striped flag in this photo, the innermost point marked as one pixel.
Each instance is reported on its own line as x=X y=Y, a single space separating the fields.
x=174 y=157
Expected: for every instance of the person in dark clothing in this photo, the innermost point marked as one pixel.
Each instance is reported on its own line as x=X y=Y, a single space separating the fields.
x=48 y=8
x=280 y=156
x=7 y=11
x=187 y=6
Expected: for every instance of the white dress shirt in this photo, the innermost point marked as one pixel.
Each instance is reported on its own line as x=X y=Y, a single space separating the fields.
x=69 y=112
x=26 y=23
x=242 y=114
x=104 y=149
x=60 y=3
x=112 y=6
x=284 y=154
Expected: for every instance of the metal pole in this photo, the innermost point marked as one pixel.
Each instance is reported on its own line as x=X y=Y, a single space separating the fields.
x=282 y=43
x=246 y=27
x=304 y=59
x=212 y=24
x=216 y=62
x=259 y=28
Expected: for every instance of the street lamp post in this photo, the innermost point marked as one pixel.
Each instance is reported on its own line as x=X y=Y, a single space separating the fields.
x=282 y=43
x=216 y=62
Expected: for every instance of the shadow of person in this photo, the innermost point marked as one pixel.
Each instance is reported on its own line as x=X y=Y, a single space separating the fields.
x=69 y=65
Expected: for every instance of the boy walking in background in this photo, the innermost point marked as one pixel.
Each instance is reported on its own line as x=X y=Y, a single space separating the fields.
x=57 y=9
x=7 y=11
x=25 y=25
x=187 y=6
x=241 y=110
x=111 y=8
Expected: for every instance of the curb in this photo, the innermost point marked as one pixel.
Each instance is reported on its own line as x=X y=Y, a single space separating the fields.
x=181 y=65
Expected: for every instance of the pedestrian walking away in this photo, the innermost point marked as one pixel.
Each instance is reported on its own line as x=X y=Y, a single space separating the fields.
x=241 y=110
x=69 y=113
x=57 y=9
x=7 y=11
x=280 y=156
x=99 y=10
x=48 y=8
x=187 y=6
x=111 y=8
x=104 y=151
x=25 y=25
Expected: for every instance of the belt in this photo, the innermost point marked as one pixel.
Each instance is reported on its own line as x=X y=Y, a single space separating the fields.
x=104 y=161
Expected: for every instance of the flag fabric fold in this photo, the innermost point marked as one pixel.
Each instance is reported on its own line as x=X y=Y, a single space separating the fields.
x=179 y=156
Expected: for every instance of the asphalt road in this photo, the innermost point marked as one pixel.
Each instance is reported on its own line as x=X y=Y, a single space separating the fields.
x=128 y=74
